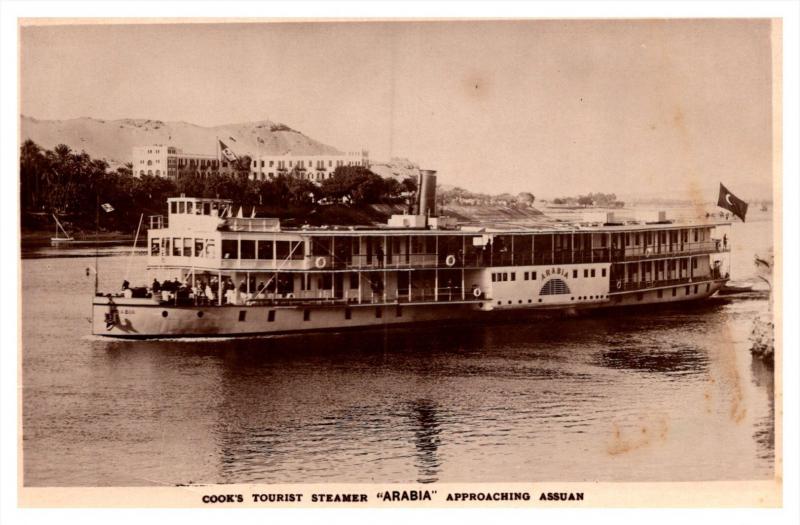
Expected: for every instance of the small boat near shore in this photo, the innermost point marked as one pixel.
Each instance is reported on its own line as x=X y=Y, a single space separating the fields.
x=731 y=288
x=58 y=239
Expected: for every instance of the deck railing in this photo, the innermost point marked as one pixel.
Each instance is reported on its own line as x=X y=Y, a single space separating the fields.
x=627 y=286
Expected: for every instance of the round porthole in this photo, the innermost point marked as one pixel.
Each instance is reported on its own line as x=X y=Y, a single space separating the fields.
x=164 y=313
x=200 y=314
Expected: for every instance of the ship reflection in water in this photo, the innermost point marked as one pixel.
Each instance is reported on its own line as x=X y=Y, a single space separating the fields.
x=665 y=394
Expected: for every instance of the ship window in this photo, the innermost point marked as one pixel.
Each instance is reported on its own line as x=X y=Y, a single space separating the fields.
x=198 y=247
x=574 y=274
x=165 y=246
x=306 y=315
x=708 y=287
x=526 y=275
x=353 y=281
x=206 y=208
x=695 y=288
x=494 y=277
x=271 y=316
x=533 y=276
x=555 y=286
x=694 y=264
x=176 y=246
x=189 y=208
x=505 y=276
x=660 y=294
x=513 y=276
x=378 y=312
x=586 y=273
x=592 y=272
x=265 y=249
x=181 y=207
x=348 y=313
x=230 y=249
x=604 y=272
x=155 y=246
x=242 y=315
x=674 y=292
x=187 y=246
x=248 y=249
x=398 y=311
x=210 y=248
x=687 y=290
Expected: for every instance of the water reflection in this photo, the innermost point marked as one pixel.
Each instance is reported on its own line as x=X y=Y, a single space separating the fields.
x=426 y=432
x=764 y=435
x=675 y=359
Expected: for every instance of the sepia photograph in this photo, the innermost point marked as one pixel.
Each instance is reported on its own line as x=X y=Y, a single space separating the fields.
x=441 y=261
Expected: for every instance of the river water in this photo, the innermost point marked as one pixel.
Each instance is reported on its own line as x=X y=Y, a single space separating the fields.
x=663 y=394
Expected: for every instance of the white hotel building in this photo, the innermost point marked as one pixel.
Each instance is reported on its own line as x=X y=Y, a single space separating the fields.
x=310 y=167
x=171 y=162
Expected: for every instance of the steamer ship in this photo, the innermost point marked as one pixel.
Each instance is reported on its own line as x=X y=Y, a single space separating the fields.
x=226 y=275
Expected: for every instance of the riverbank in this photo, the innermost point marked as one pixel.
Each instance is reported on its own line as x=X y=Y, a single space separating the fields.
x=27 y=235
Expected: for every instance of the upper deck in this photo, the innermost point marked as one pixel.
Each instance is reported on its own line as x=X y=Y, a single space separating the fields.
x=204 y=233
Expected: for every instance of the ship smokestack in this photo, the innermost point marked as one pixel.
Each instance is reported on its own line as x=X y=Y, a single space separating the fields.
x=426 y=194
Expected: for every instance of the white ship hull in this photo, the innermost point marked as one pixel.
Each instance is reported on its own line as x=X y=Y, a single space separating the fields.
x=146 y=318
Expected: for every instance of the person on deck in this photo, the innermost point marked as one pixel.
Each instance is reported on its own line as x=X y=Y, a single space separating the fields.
x=155 y=287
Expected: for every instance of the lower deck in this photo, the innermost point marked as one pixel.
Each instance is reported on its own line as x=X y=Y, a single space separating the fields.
x=138 y=318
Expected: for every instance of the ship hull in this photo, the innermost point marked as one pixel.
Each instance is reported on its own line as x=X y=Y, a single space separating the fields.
x=145 y=318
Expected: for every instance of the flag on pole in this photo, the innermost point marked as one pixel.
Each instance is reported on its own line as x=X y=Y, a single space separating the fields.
x=108 y=208
x=731 y=202
x=227 y=152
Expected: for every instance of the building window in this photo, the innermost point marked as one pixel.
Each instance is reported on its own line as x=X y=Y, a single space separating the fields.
x=348 y=313
x=660 y=294
x=306 y=315
x=687 y=290
x=248 y=249
x=242 y=315
x=398 y=311
x=494 y=277
x=378 y=312
x=674 y=292
x=533 y=276
x=230 y=249
x=586 y=273
x=592 y=272
x=271 y=316
x=604 y=272
x=526 y=275
x=513 y=276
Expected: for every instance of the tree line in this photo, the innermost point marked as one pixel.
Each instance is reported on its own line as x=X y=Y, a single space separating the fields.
x=72 y=184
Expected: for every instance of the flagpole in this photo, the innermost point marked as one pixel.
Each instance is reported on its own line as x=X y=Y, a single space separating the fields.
x=96 y=234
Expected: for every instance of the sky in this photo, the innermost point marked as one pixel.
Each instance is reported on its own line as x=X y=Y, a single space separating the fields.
x=635 y=107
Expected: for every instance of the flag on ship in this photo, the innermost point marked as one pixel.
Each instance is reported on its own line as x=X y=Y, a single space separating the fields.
x=227 y=152
x=731 y=202
x=108 y=208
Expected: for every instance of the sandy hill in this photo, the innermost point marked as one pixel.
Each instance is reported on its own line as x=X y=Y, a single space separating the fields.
x=113 y=139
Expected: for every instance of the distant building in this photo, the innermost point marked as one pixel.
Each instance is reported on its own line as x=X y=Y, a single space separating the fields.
x=171 y=162
x=310 y=167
